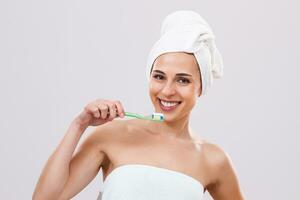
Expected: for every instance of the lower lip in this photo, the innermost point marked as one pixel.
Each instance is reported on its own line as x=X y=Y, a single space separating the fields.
x=167 y=109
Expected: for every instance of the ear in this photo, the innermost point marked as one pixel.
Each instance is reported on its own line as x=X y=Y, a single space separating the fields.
x=199 y=94
x=200 y=78
x=200 y=90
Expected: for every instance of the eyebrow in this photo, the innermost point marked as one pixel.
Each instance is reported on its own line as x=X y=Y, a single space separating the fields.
x=179 y=74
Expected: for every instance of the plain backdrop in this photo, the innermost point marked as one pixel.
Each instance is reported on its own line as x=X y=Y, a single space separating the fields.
x=57 y=56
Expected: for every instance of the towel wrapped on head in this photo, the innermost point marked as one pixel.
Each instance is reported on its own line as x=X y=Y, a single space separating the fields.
x=186 y=31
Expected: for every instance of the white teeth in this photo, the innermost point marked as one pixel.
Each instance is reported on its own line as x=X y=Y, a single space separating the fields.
x=168 y=104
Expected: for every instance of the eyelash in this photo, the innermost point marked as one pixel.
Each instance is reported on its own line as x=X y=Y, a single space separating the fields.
x=157 y=75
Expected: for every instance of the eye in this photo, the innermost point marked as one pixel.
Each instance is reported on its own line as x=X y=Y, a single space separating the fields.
x=158 y=77
x=184 y=80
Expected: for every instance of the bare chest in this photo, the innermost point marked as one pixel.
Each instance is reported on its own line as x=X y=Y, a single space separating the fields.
x=147 y=149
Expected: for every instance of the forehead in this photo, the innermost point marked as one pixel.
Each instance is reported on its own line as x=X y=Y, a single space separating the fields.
x=176 y=62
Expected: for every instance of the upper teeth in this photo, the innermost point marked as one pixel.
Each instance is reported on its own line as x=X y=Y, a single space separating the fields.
x=168 y=104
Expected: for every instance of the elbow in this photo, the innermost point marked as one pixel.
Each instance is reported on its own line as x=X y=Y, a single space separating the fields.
x=37 y=195
x=43 y=197
x=46 y=192
x=40 y=196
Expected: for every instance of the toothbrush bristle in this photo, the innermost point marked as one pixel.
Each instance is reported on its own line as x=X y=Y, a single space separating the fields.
x=157 y=116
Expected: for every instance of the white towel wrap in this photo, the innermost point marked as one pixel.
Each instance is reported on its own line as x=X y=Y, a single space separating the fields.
x=187 y=31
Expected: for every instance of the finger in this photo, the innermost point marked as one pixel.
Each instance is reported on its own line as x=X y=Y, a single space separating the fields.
x=112 y=111
x=120 y=110
x=94 y=111
x=103 y=110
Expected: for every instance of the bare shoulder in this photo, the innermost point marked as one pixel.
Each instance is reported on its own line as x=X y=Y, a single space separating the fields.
x=213 y=157
x=216 y=158
x=224 y=183
x=209 y=149
x=105 y=134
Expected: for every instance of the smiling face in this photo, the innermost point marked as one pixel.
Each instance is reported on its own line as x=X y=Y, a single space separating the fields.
x=175 y=84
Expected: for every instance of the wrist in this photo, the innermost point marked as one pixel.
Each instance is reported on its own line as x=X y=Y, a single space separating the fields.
x=78 y=124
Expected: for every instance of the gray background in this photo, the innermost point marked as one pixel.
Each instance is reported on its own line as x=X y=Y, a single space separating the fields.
x=57 y=56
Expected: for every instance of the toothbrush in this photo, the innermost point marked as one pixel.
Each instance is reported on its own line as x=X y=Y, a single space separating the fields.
x=153 y=117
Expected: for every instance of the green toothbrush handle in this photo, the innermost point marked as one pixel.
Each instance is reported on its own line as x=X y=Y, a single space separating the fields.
x=129 y=114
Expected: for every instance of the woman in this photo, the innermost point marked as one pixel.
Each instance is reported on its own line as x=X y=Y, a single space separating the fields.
x=146 y=159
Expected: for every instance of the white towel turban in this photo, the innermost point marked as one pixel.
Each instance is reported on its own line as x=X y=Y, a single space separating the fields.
x=186 y=31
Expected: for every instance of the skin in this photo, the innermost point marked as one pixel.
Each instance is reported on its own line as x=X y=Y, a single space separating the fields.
x=121 y=142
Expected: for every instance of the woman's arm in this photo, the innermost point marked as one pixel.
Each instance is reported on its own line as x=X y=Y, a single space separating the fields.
x=56 y=172
x=64 y=175
x=87 y=162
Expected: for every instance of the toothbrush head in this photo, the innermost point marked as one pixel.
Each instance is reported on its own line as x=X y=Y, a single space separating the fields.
x=158 y=117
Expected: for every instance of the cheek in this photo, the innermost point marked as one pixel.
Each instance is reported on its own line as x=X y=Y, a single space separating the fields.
x=188 y=91
x=153 y=88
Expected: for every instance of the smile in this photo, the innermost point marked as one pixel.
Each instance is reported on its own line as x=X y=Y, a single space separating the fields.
x=168 y=105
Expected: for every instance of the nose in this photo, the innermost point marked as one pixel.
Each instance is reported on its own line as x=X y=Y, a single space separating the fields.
x=168 y=89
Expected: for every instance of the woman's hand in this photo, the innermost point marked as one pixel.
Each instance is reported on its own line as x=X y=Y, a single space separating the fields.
x=99 y=112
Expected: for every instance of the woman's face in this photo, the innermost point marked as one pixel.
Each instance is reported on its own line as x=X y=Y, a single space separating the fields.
x=174 y=84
